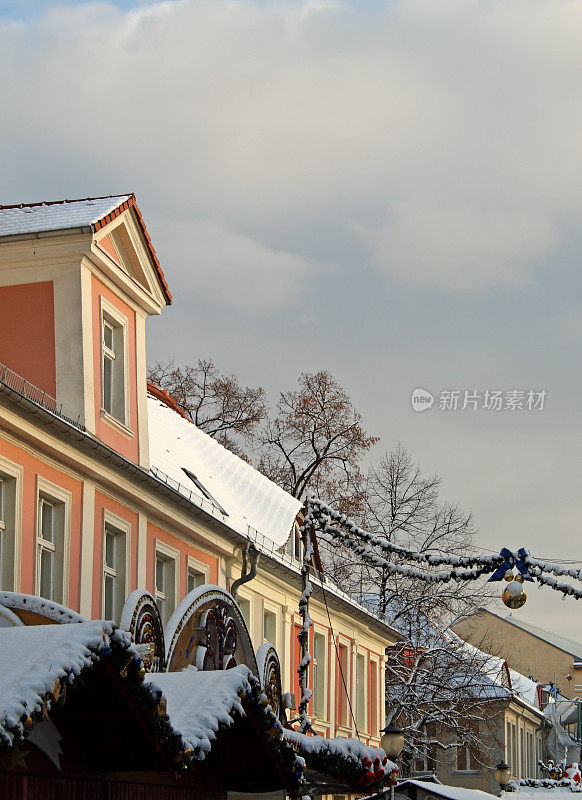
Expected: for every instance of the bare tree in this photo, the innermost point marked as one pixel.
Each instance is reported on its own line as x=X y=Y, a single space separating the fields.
x=316 y=441
x=434 y=682
x=445 y=695
x=218 y=404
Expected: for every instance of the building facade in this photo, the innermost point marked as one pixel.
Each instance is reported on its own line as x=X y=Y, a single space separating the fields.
x=548 y=657
x=106 y=488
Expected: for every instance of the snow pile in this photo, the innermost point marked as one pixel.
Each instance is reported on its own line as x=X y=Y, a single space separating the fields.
x=33 y=658
x=347 y=749
x=38 y=605
x=199 y=703
x=247 y=496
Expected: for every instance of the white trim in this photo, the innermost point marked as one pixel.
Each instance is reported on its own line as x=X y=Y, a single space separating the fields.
x=108 y=309
x=199 y=566
x=142 y=550
x=248 y=597
x=141 y=425
x=87 y=545
x=173 y=554
x=15 y=471
x=60 y=495
x=124 y=527
x=115 y=423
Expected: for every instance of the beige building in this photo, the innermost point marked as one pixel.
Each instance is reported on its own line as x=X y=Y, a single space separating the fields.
x=529 y=649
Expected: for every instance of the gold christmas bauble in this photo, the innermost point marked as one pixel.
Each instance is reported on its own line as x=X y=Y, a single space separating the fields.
x=508 y=575
x=514 y=595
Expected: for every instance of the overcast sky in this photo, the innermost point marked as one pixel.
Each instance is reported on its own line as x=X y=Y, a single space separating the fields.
x=388 y=190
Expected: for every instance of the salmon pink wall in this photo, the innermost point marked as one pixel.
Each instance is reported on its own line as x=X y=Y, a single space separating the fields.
x=185 y=550
x=27 y=333
x=128 y=447
x=107 y=245
x=103 y=503
x=32 y=467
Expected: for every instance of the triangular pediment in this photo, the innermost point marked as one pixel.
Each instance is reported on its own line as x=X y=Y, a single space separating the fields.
x=123 y=243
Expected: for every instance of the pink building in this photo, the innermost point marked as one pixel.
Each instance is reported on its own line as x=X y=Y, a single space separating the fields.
x=106 y=488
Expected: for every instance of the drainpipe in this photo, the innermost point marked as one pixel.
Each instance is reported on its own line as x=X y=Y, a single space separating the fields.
x=249 y=552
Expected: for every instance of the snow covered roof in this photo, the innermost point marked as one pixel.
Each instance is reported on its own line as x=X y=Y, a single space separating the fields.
x=219 y=480
x=319 y=748
x=32 y=658
x=58 y=215
x=443 y=790
x=199 y=703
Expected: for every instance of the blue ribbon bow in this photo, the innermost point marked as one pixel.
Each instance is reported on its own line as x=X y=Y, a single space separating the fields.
x=511 y=560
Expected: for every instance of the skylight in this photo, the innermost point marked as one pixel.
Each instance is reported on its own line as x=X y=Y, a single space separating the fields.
x=201 y=488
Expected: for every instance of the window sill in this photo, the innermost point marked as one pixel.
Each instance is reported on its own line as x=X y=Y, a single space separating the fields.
x=116 y=424
x=465 y=771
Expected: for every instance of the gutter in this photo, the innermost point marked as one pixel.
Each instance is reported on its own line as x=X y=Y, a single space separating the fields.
x=88 y=442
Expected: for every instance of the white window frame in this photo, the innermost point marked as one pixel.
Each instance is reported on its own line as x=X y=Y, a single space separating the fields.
x=248 y=598
x=46 y=490
x=377 y=703
x=108 y=310
x=200 y=567
x=361 y=713
x=321 y=702
x=168 y=553
x=12 y=471
x=293 y=544
x=123 y=527
x=271 y=608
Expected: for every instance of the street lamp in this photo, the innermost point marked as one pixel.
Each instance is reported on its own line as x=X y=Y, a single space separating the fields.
x=502 y=775
x=392 y=742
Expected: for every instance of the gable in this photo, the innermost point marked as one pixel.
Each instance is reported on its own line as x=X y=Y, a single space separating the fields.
x=123 y=242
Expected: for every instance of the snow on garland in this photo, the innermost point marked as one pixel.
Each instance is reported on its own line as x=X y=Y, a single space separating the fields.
x=461 y=568
x=349 y=759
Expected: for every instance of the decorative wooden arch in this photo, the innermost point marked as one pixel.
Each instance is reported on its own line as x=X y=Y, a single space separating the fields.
x=207 y=631
x=270 y=677
x=141 y=618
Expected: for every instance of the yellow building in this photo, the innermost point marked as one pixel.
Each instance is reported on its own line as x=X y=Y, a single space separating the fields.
x=548 y=657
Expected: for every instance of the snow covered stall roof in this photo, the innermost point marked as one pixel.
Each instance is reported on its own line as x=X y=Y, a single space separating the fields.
x=240 y=494
x=26 y=219
x=38 y=664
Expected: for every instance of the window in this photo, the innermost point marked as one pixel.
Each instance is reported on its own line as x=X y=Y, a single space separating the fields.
x=270 y=627
x=195 y=579
x=245 y=610
x=319 y=662
x=9 y=508
x=467 y=760
x=115 y=540
x=165 y=579
x=113 y=366
x=293 y=546
x=361 y=691
x=342 y=682
x=373 y=692
x=51 y=546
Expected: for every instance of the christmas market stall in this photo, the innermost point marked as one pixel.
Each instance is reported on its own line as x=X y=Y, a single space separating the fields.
x=89 y=710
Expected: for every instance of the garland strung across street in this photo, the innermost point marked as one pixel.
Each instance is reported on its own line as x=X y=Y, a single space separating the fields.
x=372 y=548
x=331 y=523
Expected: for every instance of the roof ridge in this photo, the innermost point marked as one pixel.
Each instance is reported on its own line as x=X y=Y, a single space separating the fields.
x=62 y=202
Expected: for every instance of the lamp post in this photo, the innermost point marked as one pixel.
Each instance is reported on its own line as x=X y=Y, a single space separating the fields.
x=392 y=742
x=502 y=776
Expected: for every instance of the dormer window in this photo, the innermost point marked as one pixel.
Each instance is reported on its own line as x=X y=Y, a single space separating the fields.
x=204 y=491
x=113 y=363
